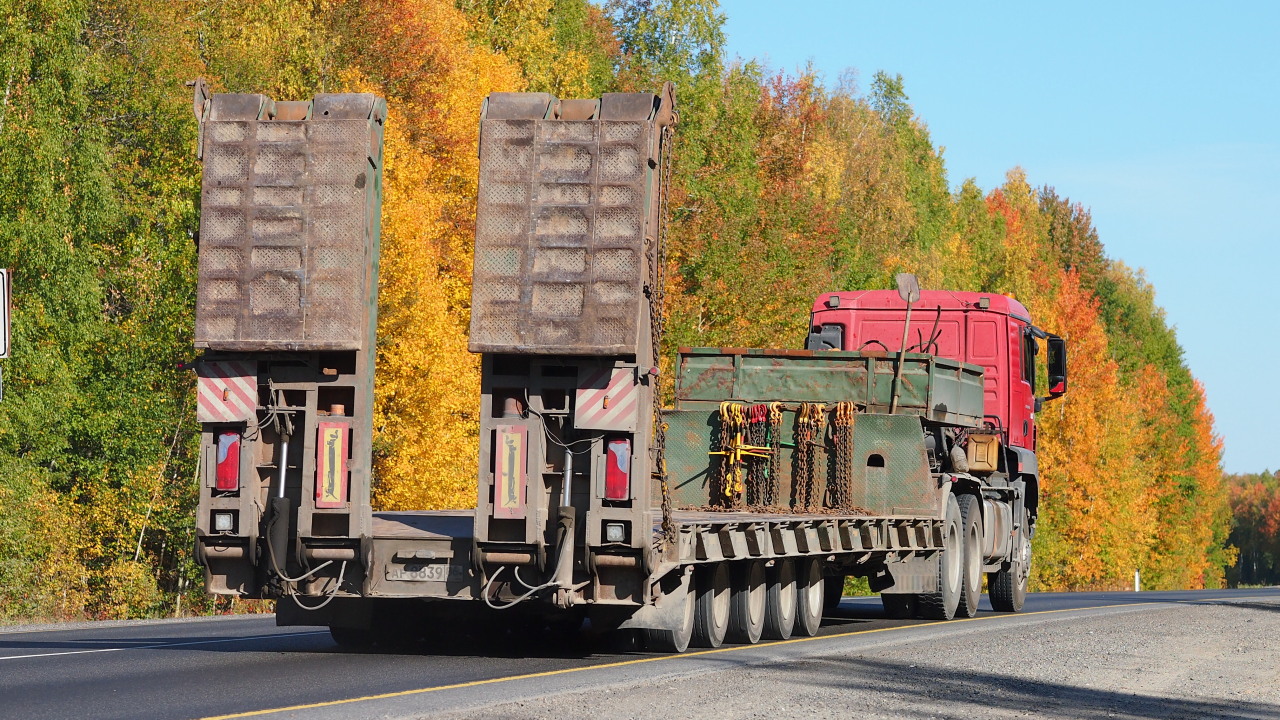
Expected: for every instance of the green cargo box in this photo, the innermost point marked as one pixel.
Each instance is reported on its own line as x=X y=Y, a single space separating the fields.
x=886 y=470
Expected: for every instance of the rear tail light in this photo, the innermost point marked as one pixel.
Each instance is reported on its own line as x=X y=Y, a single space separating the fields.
x=228 y=465
x=617 y=469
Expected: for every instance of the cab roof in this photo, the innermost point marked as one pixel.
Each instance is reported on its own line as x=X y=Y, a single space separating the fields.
x=929 y=299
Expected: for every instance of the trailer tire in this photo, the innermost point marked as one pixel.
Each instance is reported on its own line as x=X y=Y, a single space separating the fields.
x=809 y=598
x=942 y=604
x=747 y=603
x=899 y=606
x=711 y=612
x=971 y=575
x=832 y=592
x=1009 y=586
x=674 y=641
x=780 y=600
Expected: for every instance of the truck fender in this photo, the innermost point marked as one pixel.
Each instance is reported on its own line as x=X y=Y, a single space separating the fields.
x=1023 y=462
x=1031 y=499
x=667 y=610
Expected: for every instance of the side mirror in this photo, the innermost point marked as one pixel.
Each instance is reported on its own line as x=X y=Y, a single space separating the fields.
x=1057 y=362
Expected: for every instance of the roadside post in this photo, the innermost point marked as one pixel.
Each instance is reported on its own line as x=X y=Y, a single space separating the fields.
x=4 y=323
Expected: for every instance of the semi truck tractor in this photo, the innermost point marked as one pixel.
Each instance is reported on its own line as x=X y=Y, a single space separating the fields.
x=898 y=446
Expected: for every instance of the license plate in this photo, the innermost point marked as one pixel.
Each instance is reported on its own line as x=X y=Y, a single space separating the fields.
x=425 y=572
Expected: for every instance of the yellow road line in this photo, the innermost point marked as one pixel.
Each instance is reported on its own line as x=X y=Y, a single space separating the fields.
x=656 y=658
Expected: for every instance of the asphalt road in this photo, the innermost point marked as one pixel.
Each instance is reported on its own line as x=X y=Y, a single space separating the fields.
x=226 y=666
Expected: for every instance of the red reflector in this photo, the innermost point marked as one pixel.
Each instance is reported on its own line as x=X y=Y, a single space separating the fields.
x=228 y=472
x=617 y=469
x=331 y=464
x=510 y=470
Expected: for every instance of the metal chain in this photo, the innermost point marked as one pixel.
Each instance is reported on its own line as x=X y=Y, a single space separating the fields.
x=775 y=453
x=757 y=466
x=842 y=435
x=724 y=444
x=657 y=323
x=811 y=422
x=803 y=440
x=736 y=449
x=819 y=446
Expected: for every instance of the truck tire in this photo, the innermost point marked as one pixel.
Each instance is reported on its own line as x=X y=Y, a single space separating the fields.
x=1009 y=586
x=942 y=604
x=809 y=592
x=746 y=606
x=971 y=576
x=711 y=610
x=674 y=641
x=832 y=592
x=780 y=600
x=899 y=606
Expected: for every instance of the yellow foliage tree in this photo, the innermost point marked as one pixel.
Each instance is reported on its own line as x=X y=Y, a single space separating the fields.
x=418 y=54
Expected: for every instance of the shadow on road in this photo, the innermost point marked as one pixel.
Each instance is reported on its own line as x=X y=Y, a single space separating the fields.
x=976 y=693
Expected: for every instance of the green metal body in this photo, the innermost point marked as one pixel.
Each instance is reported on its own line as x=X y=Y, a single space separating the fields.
x=888 y=469
x=940 y=389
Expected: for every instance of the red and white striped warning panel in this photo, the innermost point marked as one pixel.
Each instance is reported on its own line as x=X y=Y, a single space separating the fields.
x=227 y=391
x=607 y=399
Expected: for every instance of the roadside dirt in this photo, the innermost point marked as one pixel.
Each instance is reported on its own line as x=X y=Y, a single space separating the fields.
x=1207 y=660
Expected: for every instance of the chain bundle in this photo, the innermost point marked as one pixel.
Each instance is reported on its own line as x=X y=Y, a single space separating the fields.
x=841 y=490
x=743 y=474
x=775 y=453
x=763 y=425
x=811 y=425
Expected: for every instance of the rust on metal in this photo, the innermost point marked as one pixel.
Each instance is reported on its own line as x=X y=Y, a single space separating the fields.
x=289 y=221
x=565 y=223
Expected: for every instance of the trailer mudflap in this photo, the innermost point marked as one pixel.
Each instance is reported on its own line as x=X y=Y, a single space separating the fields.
x=908 y=575
x=667 y=612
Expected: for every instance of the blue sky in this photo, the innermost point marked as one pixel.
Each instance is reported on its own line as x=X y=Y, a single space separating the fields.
x=1162 y=118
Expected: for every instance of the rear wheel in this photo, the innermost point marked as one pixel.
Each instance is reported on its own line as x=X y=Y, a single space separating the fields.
x=677 y=640
x=809 y=594
x=780 y=601
x=1009 y=586
x=971 y=581
x=832 y=591
x=746 y=607
x=711 y=614
x=942 y=604
x=899 y=606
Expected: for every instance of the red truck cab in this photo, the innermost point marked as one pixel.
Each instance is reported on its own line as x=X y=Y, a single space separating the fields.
x=984 y=329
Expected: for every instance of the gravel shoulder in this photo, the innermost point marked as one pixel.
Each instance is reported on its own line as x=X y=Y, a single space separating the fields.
x=1186 y=660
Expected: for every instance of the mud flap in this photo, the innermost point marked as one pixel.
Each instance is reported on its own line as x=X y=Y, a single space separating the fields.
x=914 y=575
x=343 y=612
x=668 y=609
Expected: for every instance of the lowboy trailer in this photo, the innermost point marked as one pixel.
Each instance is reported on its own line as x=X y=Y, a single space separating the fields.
x=733 y=516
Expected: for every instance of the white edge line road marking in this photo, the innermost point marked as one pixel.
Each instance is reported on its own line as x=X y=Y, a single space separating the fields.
x=163 y=645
